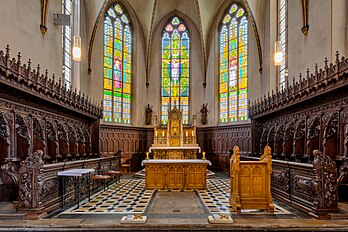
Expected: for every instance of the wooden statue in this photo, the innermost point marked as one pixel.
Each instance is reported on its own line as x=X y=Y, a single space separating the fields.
x=148 y=115
x=204 y=115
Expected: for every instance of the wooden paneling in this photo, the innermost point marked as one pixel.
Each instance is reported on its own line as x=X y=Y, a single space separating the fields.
x=251 y=182
x=175 y=175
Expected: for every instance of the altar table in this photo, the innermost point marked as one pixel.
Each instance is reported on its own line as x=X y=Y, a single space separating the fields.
x=176 y=174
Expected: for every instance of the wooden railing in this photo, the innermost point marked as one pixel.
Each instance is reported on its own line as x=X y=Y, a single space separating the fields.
x=32 y=81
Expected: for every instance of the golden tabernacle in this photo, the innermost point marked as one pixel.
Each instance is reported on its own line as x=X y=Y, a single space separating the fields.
x=251 y=182
x=175 y=141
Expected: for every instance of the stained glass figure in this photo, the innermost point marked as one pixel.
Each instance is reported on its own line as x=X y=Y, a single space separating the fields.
x=233 y=66
x=117 y=66
x=175 y=89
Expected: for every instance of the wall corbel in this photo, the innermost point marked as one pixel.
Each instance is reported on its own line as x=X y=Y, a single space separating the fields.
x=44 y=9
x=304 y=7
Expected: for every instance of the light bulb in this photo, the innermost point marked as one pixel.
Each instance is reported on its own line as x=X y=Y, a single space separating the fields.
x=76 y=51
x=278 y=55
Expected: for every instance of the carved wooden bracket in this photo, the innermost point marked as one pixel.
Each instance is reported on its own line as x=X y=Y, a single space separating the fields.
x=44 y=9
x=304 y=7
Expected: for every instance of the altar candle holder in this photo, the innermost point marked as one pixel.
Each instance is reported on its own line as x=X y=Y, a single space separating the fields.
x=147 y=155
x=203 y=158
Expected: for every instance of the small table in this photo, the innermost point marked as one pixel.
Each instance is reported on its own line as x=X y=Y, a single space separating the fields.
x=77 y=173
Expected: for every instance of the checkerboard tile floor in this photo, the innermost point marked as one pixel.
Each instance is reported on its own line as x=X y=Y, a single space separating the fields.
x=216 y=198
x=128 y=196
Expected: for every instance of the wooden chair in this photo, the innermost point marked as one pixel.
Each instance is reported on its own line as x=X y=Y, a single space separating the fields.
x=115 y=168
x=104 y=178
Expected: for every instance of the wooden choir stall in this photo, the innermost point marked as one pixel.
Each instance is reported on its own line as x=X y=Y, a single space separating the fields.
x=175 y=164
x=251 y=182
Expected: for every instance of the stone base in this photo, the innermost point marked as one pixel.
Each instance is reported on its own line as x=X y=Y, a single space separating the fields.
x=130 y=219
x=216 y=219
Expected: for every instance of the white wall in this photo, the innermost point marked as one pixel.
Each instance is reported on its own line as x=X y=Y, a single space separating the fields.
x=20 y=23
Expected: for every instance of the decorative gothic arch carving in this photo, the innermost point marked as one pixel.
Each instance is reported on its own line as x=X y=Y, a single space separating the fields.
x=22 y=137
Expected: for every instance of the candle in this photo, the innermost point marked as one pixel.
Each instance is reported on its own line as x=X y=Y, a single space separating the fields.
x=192 y=133
x=203 y=155
x=156 y=133
x=147 y=155
x=162 y=133
x=186 y=133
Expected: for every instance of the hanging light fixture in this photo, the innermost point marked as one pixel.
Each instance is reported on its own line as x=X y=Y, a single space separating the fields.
x=278 y=55
x=76 y=52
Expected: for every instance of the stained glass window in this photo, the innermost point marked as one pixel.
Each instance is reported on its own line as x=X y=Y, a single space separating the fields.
x=233 y=62
x=66 y=43
x=117 y=66
x=282 y=4
x=175 y=69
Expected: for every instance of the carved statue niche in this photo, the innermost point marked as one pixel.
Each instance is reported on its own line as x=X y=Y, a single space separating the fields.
x=73 y=145
x=270 y=138
x=52 y=142
x=4 y=139
x=80 y=142
x=278 y=143
x=88 y=146
x=299 y=139
x=63 y=142
x=38 y=135
x=288 y=142
x=23 y=138
x=330 y=140
x=263 y=139
x=312 y=138
x=9 y=180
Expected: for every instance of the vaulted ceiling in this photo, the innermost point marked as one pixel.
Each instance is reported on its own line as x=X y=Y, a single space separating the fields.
x=143 y=9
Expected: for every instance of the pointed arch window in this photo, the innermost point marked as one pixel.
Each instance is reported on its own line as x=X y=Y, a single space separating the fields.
x=117 y=65
x=67 y=8
x=175 y=86
x=233 y=65
x=283 y=30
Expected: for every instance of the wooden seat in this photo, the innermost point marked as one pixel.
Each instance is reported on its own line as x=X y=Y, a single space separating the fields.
x=114 y=173
x=104 y=178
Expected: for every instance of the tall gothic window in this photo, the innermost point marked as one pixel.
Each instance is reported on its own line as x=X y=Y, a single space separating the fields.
x=175 y=69
x=283 y=27
x=233 y=61
x=117 y=65
x=66 y=42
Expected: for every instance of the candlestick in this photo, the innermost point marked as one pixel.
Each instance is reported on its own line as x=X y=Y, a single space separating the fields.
x=156 y=133
x=186 y=133
x=162 y=133
x=147 y=155
x=203 y=158
x=192 y=133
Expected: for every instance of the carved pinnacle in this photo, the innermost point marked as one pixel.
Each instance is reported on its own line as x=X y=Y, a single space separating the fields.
x=337 y=57
x=326 y=61
x=19 y=58
x=7 y=51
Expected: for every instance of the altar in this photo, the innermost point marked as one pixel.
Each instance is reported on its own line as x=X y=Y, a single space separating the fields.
x=175 y=164
x=176 y=174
